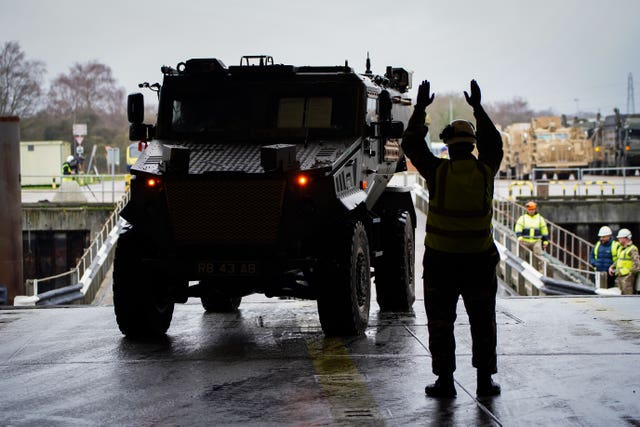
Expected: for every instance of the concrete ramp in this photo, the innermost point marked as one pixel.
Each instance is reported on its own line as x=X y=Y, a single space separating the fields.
x=69 y=192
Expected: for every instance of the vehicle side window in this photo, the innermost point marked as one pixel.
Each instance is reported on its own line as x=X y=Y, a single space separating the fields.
x=312 y=112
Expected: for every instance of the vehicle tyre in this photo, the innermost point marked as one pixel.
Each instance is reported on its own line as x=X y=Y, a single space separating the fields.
x=219 y=303
x=395 y=269
x=344 y=285
x=142 y=307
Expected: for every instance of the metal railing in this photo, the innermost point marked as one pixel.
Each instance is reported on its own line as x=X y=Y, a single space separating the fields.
x=622 y=181
x=87 y=261
x=567 y=253
x=74 y=188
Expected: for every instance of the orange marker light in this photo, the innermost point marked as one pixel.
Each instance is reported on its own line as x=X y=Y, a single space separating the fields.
x=302 y=180
x=627 y=148
x=363 y=185
x=152 y=182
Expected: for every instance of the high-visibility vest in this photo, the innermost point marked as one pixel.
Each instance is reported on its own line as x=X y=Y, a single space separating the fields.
x=615 y=248
x=625 y=261
x=460 y=208
x=531 y=228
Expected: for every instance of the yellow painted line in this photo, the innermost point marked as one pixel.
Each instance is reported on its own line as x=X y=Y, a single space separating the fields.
x=344 y=387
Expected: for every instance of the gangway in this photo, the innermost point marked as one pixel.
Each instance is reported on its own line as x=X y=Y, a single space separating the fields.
x=85 y=278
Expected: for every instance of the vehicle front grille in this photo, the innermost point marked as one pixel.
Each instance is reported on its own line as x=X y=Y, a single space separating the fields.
x=225 y=211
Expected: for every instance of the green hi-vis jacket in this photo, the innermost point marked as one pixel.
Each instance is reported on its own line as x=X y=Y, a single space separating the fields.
x=627 y=257
x=531 y=228
x=460 y=189
x=460 y=208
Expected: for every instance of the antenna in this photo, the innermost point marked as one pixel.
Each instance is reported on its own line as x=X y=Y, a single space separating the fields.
x=631 y=105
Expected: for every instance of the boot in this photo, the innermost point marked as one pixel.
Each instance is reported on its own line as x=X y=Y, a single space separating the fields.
x=443 y=387
x=486 y=386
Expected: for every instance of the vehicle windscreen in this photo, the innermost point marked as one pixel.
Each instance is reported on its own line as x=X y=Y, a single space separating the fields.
x=134 y=152
x=260 y=110
x=552 y=136
x=633 y=139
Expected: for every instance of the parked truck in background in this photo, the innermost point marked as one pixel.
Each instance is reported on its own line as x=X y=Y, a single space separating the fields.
x=267 y=178
x=616 y=141
x=547 y=142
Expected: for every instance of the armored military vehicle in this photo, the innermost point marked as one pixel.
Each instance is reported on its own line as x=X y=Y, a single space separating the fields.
x=267 y=178
x=616 y=141
x=547 y=142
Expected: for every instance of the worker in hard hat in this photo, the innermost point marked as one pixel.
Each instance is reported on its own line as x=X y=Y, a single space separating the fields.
x=627 y=265
x=532 y=232
x=458 y=236
x=67 y=168
x=605 y=253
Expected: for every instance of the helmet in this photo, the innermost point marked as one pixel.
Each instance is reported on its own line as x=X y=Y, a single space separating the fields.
x=69 y=158
x=604 y=231
x=531 y=205
x=624 y=232
x=458 y=131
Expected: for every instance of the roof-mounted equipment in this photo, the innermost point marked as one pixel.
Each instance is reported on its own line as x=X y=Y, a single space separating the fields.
x=256 y=60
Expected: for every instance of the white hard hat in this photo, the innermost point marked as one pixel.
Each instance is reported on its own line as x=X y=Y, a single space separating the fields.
x=70 y=158
x=458 y=131
x=604 y=231
x=624 y=232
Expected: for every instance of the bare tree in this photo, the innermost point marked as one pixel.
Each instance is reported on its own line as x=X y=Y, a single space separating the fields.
x=20 y=82
x=87 y=87
x=445 y=108
x=508 y=112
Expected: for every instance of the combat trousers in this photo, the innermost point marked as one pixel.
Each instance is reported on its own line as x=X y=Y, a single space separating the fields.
x=536 y=248
x=626 y=284
x=446 y=278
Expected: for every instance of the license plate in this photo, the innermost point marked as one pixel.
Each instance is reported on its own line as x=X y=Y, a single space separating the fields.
x=228 y=268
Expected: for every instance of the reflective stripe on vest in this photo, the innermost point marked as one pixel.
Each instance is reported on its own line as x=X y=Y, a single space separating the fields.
x=532 y=227
x=625 y=262
x=616 y=247
x=460 y=210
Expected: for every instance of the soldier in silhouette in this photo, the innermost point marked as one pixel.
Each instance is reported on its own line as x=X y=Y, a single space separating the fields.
x=460 y=256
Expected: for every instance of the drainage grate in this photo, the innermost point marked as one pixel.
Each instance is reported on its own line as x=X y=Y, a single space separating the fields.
x=357 y=413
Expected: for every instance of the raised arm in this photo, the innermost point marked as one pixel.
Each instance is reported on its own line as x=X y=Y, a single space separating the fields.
x=489 y=139
x=413 y=140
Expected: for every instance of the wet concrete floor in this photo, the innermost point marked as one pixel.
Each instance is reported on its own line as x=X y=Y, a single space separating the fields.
x=562 y=361
x=571 y=361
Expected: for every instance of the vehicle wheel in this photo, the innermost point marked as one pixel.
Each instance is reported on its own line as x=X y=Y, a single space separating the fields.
x=395 y=270
x=142 y=307
x=344 y=286
x=219 y=303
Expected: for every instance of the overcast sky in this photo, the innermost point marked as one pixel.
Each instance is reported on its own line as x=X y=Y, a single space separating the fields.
x=559 y=54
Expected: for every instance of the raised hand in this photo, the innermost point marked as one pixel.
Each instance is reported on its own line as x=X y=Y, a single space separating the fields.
x=425 y=98
x=474 y=99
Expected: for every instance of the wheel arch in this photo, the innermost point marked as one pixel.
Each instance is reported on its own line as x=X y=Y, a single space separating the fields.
x=394 y=199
